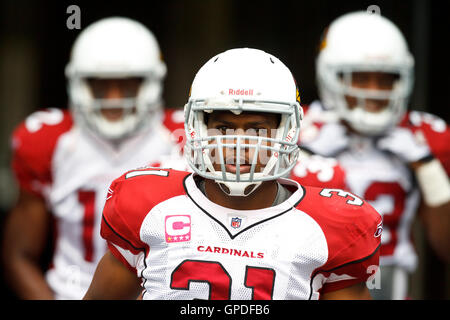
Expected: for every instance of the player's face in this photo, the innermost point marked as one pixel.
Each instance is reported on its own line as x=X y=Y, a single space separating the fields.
x=248 y=124
x=371 y=81
x=111 y=89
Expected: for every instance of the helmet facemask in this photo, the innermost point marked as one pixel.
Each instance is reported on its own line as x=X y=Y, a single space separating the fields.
x=259 y=157
x=360 y=42
x=136 y=110
x=336 y=90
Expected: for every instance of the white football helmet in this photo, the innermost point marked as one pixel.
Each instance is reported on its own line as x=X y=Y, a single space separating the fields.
x=115 y=47
x=240 y=80
x=364 y=42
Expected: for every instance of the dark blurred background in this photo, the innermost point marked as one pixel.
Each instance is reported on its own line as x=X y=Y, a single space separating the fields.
x=35 y=45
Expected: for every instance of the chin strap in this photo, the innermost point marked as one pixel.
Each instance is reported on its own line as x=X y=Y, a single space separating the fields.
x=237 y=189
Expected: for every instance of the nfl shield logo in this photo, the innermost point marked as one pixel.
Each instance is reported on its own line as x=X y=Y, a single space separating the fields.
x=236 y=222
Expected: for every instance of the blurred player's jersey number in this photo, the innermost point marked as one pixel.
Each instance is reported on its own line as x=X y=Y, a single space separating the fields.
x=391 y=217
x=87 y=200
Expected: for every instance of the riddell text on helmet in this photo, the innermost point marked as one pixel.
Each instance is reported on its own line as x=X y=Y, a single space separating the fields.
x=240 y=92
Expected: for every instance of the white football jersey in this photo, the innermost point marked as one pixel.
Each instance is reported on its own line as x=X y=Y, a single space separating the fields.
x=389 y=186
x=71 y=170
x=184 y=246
x=377 y=176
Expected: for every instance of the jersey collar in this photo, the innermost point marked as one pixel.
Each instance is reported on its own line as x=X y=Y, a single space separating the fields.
x=246 y=218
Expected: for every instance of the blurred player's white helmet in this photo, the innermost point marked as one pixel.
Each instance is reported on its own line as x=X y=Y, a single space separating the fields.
x=243 y=80
x=116 y=48
x=364 y=42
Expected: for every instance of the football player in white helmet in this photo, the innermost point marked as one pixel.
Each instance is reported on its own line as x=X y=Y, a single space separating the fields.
x=64 y=161
x=235 y=228
x=115 y=78
x=367 y=83
x=392 y=157
x=206 y=129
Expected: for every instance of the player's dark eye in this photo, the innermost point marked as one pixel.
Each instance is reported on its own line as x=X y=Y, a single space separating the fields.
x=256 y=132
x=223 y=129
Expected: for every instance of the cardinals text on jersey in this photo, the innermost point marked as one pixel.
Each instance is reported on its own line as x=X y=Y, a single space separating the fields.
x=184 y=246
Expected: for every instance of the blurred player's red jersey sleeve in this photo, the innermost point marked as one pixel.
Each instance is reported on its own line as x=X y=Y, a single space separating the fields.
x=174 y=122
x=318 y=171
x=33 y=144
x=436 y=132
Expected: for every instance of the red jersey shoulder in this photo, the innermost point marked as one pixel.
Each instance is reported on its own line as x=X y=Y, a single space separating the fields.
x=131 y=197
x=174 y=122
x=315 y=118
x=351 y=226
x=173 y=119
x=318 y=171
x=305 y=108
x=46 y=123
x=352 y=229
x=434 y=130
x=33 y=143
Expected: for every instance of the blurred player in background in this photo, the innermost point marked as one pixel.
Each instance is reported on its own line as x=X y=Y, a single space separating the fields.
x=64 y=161
x=235 y=228
x=398 y=161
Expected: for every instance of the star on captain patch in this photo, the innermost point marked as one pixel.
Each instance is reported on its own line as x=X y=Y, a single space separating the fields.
x=178 y=228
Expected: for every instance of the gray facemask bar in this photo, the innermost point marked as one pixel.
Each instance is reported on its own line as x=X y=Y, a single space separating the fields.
x=121 y=103
x=127 y=104
x=285 y=149
x=368 y=93
x=393 y=96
